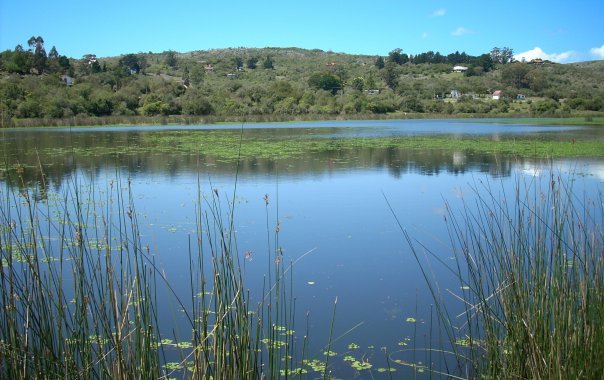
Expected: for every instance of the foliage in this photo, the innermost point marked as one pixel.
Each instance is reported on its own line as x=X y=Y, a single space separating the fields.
x=56 y=87
x=325 y=81
x=532 y=273
x=79 y=293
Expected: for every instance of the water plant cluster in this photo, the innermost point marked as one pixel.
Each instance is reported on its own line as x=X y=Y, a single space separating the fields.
x=81 y=293
x=531 y=275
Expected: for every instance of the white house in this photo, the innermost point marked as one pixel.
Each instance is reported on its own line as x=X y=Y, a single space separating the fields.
x=460 y=69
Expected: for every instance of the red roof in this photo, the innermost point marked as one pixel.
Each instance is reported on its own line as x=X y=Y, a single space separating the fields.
x=498 y=92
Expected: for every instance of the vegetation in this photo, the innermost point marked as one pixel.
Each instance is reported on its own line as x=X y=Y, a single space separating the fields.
x=530 y=275
x=39 y=88
x=80 y=292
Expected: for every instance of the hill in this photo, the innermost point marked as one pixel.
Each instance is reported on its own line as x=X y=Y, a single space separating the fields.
x=283 y=84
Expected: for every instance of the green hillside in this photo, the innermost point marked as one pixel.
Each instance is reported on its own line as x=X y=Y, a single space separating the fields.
x=249 y=84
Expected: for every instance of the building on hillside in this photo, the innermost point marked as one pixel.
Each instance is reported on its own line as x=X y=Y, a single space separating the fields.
x=455 y=94
x=209 y=68
x=536 y=61
x=231 y=76
x=372 y=91
x=520 y=97
x=460 y=69
x=497 y=94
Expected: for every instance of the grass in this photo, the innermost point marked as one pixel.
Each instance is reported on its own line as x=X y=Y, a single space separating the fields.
x=79 y=294
x=531 y=271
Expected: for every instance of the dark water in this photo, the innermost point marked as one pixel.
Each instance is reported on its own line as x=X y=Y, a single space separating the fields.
x=333 y=212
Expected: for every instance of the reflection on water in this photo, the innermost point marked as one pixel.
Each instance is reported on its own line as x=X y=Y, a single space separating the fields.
x=328 y=203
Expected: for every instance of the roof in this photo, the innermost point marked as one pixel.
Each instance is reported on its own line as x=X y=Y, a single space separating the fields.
x=497 y=92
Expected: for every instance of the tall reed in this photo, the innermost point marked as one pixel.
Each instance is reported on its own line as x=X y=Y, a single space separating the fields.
x=531 y=266
x=79 y=293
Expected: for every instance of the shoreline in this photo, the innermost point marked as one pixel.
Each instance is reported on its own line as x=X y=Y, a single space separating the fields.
x=88 y=121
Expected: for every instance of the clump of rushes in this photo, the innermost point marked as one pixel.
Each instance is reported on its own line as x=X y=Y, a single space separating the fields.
x=79 y=293
x=532 y=278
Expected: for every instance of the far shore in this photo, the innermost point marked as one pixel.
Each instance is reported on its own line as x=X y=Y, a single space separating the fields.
x=88 y=121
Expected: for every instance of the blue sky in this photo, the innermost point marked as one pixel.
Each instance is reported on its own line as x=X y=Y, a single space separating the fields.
x=560 y=30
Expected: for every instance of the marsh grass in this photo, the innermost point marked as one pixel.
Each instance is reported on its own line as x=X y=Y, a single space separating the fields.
x=79 y=293
x=531 y=269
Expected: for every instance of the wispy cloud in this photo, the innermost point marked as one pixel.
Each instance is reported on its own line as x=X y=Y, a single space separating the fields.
x=425 y=35
x=461 y=31
x=440 y=12
x=597 y=52
x=537 y=52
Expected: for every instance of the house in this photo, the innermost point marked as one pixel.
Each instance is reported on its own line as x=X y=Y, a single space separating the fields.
x=67 y=80
x=372 y=91
x=497 y=94
x=460 y=69
x=455 y=94
x=330 y=64
x=536 y=61
x=520 y=97
x=231 y=76
x=209 y=68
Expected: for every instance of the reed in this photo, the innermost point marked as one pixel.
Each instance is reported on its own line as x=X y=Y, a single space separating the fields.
x=532 y=272
x=79 y=293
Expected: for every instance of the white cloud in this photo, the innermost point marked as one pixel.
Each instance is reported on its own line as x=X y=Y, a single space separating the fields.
x=537 y=52
x=425 y=35
x=597 y=52
x=461 y=31
x=439 y=12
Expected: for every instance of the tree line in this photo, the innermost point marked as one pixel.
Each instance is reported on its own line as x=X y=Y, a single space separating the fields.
x=287 y=82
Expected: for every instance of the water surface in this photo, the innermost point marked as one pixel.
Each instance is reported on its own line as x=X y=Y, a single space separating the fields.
x=331 y=207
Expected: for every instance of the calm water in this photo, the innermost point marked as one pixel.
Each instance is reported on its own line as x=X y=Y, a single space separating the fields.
x=331 y=208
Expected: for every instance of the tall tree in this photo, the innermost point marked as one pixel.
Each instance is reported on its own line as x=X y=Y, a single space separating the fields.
x=170 y=58
x=252 y=62
x=238 y=63
x=268 y=63
x=53 y=54
x=503 y=55
x=36 y=45
x=395 y=56
x=379 y=63
x=390 y=75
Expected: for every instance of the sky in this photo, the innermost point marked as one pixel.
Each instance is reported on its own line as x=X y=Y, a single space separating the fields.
x=558 y=30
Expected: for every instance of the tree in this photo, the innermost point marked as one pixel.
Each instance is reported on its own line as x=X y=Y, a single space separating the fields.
x=17 y=61
x=268 y=63
x=36 y=45
x=325 y=81
x=132 y=63
x=196 y=75
x=238 y=62
x=515 y=75
x=379 y=63
x=503 y=55
x=358 y=83
x=170 y=58
x=395 y=56
x=390 y=75
x=53 y=54
x=185 y=76
x=252 y=62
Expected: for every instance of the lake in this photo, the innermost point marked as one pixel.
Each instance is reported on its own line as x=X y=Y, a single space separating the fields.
x=331 y=205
